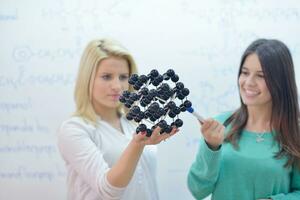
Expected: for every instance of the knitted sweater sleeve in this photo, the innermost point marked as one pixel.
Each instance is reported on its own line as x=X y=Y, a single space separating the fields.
x=204 y=171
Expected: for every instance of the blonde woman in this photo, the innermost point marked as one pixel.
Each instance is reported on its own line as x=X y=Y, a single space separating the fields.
x=104 y=157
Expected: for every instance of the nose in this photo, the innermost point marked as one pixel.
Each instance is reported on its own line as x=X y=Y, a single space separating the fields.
x=250 y=81
x=116 y=84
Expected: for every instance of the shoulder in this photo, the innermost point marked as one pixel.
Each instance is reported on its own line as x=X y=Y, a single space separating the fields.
x=222 y=117
x=76 y=121
x=75 y=125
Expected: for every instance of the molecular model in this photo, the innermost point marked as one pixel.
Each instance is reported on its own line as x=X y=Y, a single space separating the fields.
x=158 y=100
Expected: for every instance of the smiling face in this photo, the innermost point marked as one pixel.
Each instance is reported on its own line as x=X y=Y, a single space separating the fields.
x=252 y=85
x=110 y=81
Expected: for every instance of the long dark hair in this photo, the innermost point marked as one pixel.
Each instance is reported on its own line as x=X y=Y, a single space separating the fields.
x=278 y=68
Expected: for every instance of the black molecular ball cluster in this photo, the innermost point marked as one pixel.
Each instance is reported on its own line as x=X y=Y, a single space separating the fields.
x=156 y=101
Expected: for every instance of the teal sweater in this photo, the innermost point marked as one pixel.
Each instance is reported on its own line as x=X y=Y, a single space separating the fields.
x=249 y=173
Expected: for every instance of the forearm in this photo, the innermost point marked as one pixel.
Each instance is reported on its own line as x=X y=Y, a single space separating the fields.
x=121 y=173
x=295 y=195
x=204 y=171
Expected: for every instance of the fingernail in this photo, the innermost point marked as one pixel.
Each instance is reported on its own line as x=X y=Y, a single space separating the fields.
x=143 y=133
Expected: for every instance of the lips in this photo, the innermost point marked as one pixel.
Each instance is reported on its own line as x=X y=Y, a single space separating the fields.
x=251 y=93
x=115 y=96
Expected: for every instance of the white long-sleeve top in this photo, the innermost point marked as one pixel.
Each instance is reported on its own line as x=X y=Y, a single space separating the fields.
x=90 y=151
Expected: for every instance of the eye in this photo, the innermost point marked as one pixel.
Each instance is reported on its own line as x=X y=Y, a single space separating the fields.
x=245 y=73
x=124 y=77
x=106 y=77
x=260 y=76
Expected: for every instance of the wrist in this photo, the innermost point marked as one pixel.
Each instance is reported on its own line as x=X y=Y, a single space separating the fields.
x=137 y=144
x=213 y=147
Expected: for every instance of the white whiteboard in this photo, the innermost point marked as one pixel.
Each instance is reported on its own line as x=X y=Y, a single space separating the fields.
x=41 y=44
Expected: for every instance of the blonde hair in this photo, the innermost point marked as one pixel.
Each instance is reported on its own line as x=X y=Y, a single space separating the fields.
x=96 y=51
